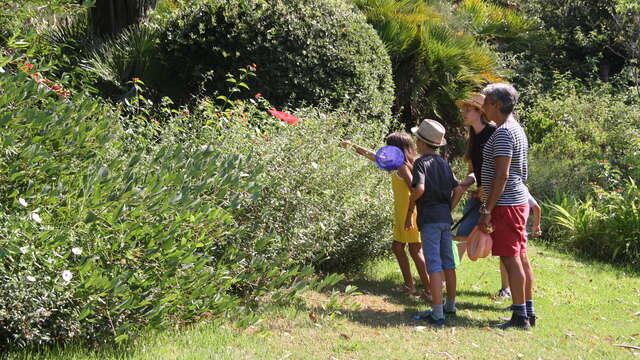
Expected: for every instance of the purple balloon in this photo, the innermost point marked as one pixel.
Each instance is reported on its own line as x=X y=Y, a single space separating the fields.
x=389 y=158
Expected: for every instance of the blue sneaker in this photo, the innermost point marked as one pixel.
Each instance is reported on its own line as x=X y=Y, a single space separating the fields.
x=428 y=317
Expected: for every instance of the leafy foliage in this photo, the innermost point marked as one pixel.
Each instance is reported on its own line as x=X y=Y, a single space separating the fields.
x=605 y=226
x=150 y=222
x=439 y=52
x=309 y=52
x=588 y=39
x=108 y=229
x=582 y=136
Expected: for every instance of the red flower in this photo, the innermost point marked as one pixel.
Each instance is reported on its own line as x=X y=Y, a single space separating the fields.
x=29 y=66
x=56 y=87
x=288 y=118
x=258 y=95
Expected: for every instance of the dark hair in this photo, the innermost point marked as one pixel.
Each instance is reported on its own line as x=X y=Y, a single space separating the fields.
x=473 y=138
x=405 y=142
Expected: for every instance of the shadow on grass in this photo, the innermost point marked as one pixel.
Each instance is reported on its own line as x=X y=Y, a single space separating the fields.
x=385 y=287
x=384 y=319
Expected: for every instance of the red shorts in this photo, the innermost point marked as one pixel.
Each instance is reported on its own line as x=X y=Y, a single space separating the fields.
x=510 y=230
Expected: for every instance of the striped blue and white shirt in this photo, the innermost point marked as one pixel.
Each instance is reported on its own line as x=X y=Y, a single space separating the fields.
x=508 y=140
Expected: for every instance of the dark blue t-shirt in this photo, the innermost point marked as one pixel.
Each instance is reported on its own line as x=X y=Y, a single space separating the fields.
x=434 y=206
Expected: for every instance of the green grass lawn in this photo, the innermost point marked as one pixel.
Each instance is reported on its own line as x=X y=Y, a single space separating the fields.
x=585 y=310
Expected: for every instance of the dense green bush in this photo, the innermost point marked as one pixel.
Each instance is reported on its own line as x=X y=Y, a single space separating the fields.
x=327 y=206
x=581 y=136
x=605 y=226
x=305 y=52
x=104 y=230
x=322 y=205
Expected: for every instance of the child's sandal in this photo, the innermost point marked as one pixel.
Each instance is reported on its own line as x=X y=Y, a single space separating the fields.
x=404 y=289
x=426 y=296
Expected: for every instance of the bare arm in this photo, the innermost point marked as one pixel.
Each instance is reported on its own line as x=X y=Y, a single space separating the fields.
x=497 y=188
x=471 y=176
x=405 y=174
x=416 y=193
x=359 y=150
x=537 y=215
x=458 y=191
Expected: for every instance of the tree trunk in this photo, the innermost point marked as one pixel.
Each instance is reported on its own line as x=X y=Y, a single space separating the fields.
x=110 y=17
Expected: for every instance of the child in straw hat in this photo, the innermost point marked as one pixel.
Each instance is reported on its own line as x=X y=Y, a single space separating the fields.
x=432 y=188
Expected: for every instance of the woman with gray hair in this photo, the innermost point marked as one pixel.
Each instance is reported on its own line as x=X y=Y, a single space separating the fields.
x=505 y=209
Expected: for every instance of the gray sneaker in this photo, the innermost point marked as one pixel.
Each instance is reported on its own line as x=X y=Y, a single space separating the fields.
x=504 y=293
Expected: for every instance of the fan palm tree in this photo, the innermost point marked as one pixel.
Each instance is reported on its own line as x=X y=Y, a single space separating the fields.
x=440 y=51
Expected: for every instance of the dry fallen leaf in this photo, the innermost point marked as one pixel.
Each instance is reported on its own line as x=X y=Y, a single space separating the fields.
x=344 y=336
x=420 y=328
x=608 y=339
x=312 y=317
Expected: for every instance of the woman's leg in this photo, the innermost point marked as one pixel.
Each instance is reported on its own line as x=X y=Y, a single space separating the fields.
x=461 y=243
x=403 y=261
x=504 y=276
x=415 y=249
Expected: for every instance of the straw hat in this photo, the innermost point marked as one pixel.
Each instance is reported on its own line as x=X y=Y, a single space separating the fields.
x=431 y=132
x=477 y=100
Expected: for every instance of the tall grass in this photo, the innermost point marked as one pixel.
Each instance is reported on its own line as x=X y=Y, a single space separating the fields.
x=605 y=226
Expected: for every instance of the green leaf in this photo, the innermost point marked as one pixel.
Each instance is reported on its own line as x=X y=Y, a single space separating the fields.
x=91 y=217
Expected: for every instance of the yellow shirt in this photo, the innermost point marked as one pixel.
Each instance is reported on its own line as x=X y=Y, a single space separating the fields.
x=401 y=196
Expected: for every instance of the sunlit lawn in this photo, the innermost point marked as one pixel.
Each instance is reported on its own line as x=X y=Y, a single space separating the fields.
x=585 y=310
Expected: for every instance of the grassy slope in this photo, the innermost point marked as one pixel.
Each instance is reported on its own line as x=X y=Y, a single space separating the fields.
x=584 y=309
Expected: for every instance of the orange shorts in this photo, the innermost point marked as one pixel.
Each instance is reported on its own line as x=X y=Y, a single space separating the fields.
x=510 y=230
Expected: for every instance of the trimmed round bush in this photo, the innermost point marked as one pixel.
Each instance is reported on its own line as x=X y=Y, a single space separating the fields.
x=305 y=52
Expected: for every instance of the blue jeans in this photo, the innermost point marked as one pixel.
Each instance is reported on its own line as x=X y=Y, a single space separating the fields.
x=465 y=227
x=436 y=246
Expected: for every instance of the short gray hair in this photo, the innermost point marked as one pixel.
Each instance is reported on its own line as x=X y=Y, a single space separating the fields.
x=505 y=94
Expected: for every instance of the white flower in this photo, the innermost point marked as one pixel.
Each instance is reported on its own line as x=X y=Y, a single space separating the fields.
x=23 y=202
x=67 y=275
x=1 y=70
x=31 y=278
x=204 y=147
x=76 y=251
x=24 y=249
x=314 y=165
x=35 y=217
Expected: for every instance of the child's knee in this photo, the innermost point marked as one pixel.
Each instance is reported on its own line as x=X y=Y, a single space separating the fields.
x=397 y=247
x=415 y=248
